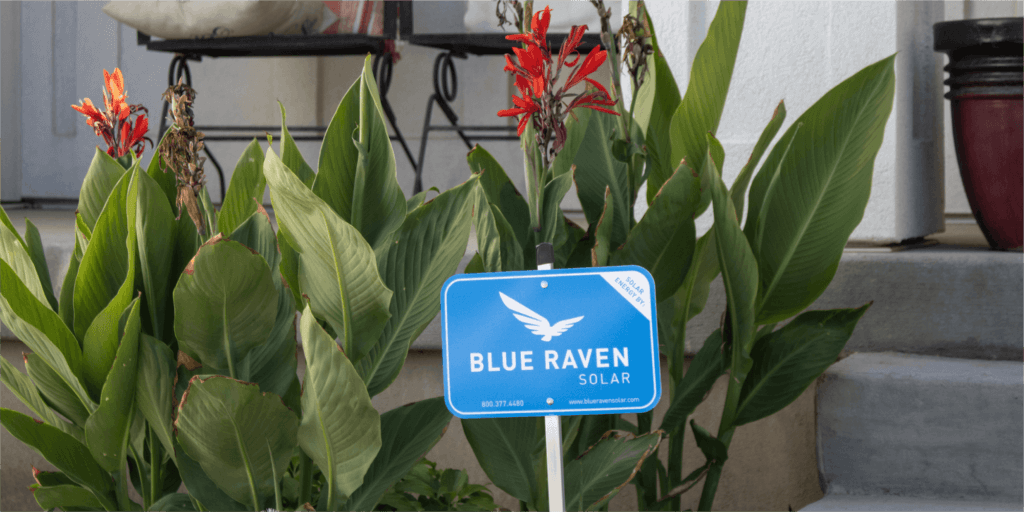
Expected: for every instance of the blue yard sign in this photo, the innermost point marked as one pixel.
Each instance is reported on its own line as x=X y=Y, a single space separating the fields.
x=550 y=342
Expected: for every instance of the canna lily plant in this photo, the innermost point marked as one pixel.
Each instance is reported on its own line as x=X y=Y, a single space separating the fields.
x=804 y=202
x=170 y=356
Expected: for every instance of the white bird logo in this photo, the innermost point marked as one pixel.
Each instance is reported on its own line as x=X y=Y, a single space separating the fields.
x=536 y=323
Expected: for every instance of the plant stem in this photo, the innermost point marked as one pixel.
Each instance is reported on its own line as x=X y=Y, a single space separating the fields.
x=305 y=478
x=675 y=463
x=156 y=462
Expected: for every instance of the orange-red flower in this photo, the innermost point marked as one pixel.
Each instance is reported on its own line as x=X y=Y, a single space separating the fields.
x=537 y=75
x=121 y=133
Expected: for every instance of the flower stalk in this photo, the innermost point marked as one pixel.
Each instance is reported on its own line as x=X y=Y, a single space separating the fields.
x=180 y=152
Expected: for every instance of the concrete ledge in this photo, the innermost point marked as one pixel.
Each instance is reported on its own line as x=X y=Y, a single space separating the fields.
x=834 y=502
x=893 y=425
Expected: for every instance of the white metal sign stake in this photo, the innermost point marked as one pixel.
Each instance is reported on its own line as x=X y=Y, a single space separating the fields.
x=552 y=423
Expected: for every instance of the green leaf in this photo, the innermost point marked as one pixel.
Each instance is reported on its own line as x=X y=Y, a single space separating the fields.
x=664 y=239
x=34 y=245
x=501 y=192
x=289 y=266
x=603 y=232
x=14 y=253
x=291 y=157
x=56 y=392
x=106 y=431
x=100 y=181
x=97 y=310
x=163 y=175
x=597 y=475
x=690 y=391
x=66 y=497
x=701 y=108
x=427 y=251
x=337 y=268
x=247 y=184
x=658 y=94
x=787 y=361
x=224 y=303
x=576 y=128
x=199 y=485
x=173 y=502
x=495 y=239
x=553 y=220
x=23 y=388
x=67 y=292
x=21 y=303
x=209 y=212
x=739 y=268
x=407 y=434
x=226 y=425
x=504 y=448
x=356 y=174
x=738 y=192
x=714 y=450
x=417 y=200
x=598 y=173
x=340 y=429
x=154 y=388
x=272 y=364
x=156 y=231
x=819 y=192
x=67 y=454
x=475 y=265
x=257 y=233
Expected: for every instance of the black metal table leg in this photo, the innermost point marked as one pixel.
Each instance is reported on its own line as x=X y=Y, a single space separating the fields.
x=179 y=68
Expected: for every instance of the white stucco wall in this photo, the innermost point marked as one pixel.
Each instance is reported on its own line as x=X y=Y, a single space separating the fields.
x=797 y=51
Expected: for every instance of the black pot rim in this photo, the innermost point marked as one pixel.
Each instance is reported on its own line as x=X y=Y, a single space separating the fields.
x=958 y=34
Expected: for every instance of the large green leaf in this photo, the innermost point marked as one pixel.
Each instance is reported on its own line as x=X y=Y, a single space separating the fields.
x=664 y=239
x=30 y=311
x=337 y=268
x=163 y=175
x=356 y=174
x=106 y=281
x=598 y=474
x=340 y=429
x=820 y=190
x=289 y=263
x=290 y=154
x=63 y=451
x=738 y=192
x=739 y=268
x=41 y=345
x=55 y=391
x=106 y=431
x=690 y=391
x=14 y=253
x=257 y=233
x=428 y=249
x=603 y=246
x=67 y=291
x=156 y=231
x=790 y=359
x=658 y=96
x=597 y=170
x=154 y=388
x=34 y=246
x=247 y=183
x=407 y=434
x=100 y=181
x=701 y=108
x=227 y=426
x=67 y=497
x=272 y=364
x=504 y=448
x=199 y=485
x=225 y=303
x=501 y=192
x=23 y=388
x=553 y=220
x=496 y=241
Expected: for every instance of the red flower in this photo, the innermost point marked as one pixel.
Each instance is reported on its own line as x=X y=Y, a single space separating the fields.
x=121 y=133
x=536 y=76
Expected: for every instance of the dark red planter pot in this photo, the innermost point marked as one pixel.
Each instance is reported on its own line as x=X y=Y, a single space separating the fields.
x=986 y=82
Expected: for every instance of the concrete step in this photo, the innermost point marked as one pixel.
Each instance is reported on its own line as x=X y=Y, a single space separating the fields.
x=897 y=503
x=916 y=431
